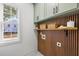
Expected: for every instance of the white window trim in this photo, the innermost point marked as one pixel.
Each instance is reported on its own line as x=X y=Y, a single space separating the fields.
x=15 y=40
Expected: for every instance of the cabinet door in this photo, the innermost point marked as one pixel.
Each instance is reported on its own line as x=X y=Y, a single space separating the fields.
x=41 y=11
x=44 y=43
x=51 y=9
x=36 y=12
x=66 y=6
x=64 y=43
x=58 y=43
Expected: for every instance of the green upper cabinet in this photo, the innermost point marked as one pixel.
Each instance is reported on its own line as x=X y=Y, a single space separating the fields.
x=44 y=11
x=66 y=6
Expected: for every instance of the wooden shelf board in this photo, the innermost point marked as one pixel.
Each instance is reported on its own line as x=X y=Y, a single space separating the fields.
x=59 y=29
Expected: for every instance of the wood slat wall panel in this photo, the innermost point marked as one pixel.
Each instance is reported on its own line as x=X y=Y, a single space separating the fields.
x=72 y=40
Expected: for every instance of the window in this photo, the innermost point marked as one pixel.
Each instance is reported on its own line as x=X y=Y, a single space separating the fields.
x=9 y=24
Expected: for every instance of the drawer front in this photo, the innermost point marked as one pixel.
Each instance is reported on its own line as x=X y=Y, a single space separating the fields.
x=58 y=43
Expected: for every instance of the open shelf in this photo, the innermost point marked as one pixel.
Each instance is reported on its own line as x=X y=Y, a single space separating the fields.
x=60 y=29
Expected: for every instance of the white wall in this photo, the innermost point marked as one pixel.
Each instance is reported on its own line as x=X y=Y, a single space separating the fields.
x=28 y=38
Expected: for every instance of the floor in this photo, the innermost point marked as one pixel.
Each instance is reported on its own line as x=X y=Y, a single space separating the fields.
x=34 y=54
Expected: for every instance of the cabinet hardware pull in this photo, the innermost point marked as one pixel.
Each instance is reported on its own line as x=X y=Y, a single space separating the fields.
x=37 y=17
x=43 y=36
x=56 y=9
x=53 y=10
x=58 y=44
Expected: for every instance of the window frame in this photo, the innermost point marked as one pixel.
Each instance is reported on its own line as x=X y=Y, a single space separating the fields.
x=4 y=42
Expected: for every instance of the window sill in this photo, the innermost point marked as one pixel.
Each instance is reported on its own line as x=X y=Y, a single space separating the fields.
x=8 y=42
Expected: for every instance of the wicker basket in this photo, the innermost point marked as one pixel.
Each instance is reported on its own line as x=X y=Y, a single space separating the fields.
x=42 y=26
x=52 y=26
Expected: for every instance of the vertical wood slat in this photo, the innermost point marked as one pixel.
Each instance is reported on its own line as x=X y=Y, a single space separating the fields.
x=73 y=38
x=76 y=36
x=66 y=47
x=78 y=42
x=68 y=40
x=73 y=43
